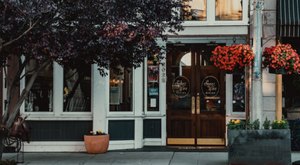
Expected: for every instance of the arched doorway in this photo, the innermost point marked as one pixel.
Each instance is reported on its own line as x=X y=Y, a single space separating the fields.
x=195 y=97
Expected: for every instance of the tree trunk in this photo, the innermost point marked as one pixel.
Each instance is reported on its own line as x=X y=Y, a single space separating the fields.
x=16 y=108
x=11 y=88
x=11 y=114
x=1 y=145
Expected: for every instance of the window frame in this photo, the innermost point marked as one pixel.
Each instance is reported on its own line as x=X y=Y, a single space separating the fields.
x=211 y=14
x=57 y=113
x=131 y=111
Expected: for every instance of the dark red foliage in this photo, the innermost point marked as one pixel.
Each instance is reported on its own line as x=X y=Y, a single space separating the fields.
x=104 y=32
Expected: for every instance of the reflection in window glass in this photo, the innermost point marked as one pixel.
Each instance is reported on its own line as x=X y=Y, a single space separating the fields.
x=180 y=98
x=229 y=9
x=291 y=86
x=238 y=101
x=291 y=94
x=211 y=104
x=194 y=10
x=77 y=89
x=120 y=98
x=40 y=95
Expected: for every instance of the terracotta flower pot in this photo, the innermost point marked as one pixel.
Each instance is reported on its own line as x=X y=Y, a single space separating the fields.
x=95 y=144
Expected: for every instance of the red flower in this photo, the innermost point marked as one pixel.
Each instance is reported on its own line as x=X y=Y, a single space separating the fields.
x=282 y=56
x=230 y=57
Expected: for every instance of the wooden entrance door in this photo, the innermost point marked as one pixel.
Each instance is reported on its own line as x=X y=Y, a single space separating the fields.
x=195 y=97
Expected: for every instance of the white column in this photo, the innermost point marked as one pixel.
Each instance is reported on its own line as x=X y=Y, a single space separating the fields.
x=211 y=10
x=256 y=108
x=99 y=99
x=163 y=94
x=138 y=106
x=228 y=93
x=58 y=88
x=163 y=99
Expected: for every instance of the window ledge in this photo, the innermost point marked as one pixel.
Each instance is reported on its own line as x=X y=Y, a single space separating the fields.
x=215 y=23
x=49 y=116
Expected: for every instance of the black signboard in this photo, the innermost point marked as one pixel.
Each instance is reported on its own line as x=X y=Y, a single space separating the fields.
x=181 y=86
x=210 y=86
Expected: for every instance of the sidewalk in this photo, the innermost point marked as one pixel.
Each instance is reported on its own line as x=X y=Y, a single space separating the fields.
x=128 y=158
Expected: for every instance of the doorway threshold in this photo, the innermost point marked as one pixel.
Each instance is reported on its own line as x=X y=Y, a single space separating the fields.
x=177 y=149
x=199 y=148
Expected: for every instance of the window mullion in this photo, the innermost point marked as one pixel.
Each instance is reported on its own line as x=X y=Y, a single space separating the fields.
x=58 y=73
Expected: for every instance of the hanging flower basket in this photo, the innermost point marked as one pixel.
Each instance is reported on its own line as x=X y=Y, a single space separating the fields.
x=281 y=59
x=231 y=58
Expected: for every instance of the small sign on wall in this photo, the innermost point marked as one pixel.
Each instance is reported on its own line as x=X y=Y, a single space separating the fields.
x=153 y=91
x=153 y=102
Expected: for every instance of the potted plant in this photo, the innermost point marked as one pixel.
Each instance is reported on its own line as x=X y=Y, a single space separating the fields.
x=281 y=59
x=96 y=142
x=230 y=58
x=248 y=144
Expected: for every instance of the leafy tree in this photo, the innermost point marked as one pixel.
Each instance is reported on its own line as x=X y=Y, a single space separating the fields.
x=108 y=33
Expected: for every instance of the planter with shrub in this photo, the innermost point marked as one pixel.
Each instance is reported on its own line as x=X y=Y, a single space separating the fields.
x=248 y=145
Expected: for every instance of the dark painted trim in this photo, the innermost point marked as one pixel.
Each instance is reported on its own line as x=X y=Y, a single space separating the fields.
x=59 y=130
x=121 y=129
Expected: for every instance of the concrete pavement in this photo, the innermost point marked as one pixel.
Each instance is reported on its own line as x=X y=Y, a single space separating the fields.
x=128 y=158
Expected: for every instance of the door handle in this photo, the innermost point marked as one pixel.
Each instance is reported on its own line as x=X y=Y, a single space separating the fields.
x=198 y=105
x=193 y=105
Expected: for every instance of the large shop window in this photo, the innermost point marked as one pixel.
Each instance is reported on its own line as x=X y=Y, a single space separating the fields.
x=77 y=89
x=238 y=101
x=194 y=10
x=40 y=97
x=120 y=90
x=229 y=10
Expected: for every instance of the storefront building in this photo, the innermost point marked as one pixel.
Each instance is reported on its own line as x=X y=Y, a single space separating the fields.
x=182 y=100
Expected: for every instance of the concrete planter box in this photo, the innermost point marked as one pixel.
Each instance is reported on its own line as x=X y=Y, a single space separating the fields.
x=263 y=147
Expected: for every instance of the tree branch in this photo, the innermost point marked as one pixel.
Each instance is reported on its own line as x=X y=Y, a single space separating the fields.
x=20 y=36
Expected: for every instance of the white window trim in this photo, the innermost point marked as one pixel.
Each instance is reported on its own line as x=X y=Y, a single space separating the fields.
x=124 y=114
x=229 y=98
x=57 y=113
x=162 y=87
x=155 y=113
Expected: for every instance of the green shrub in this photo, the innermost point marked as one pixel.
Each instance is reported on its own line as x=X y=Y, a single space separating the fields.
x=236 y=124
x=267 y=124
x=255 y=124
x=246 y=124
x=280 y=124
